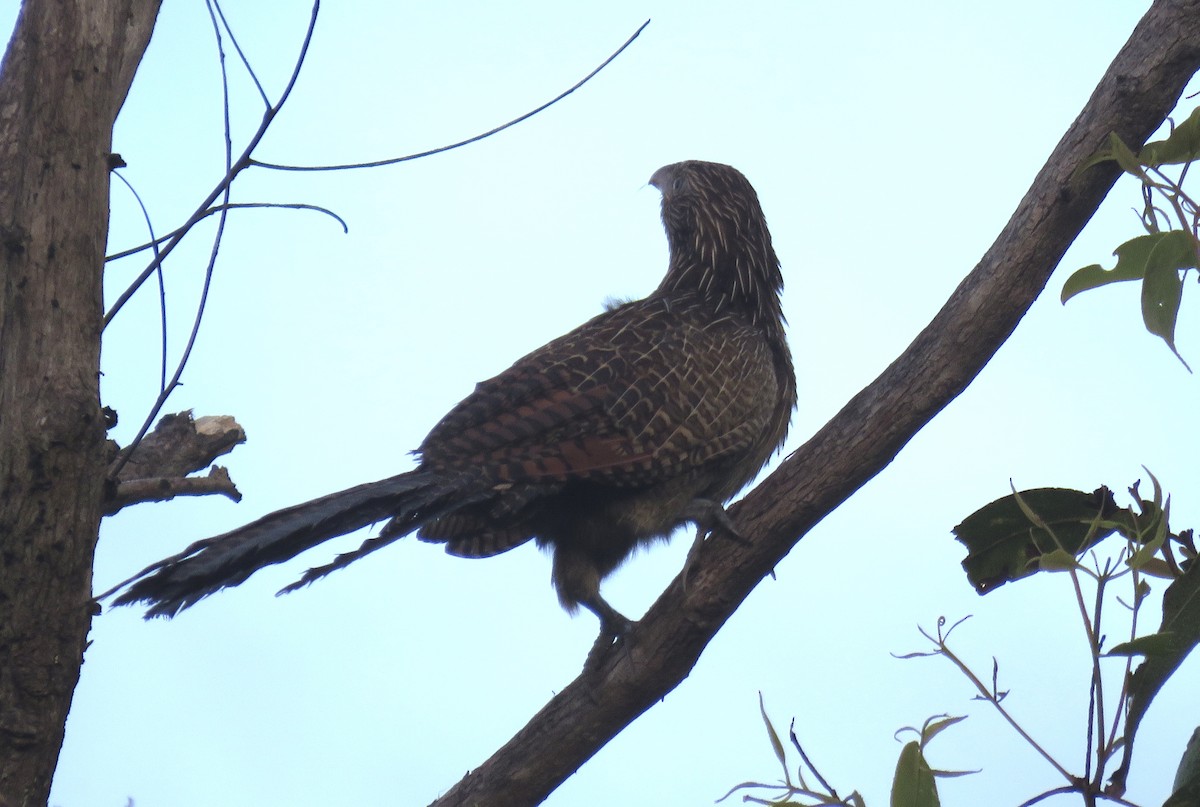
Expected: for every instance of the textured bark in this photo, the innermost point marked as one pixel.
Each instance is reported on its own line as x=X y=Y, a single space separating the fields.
x=64 y=77
x=1139 y=90
x=157 y=469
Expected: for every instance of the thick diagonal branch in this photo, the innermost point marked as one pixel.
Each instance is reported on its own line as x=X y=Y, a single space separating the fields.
x=1138 y=91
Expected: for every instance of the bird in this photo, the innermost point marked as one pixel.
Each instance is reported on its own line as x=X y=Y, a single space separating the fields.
x=649 y=416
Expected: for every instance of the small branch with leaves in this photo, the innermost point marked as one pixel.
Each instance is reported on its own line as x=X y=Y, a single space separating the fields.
x=1161 y=258
x=820 y=794
x=1058 y=530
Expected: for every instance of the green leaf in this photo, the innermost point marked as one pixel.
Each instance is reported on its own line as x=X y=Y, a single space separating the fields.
x=1162 y=287
x=1187 y=777
x=1094 y=276
x=1147 y=551
x=1058 y=560
x=938 y=773
x=914 y=785
x=1102 y=155
x=1181 y=146
x=1158 y=491
x=933 y=728
x=776 y=743
x=1132 y=257
x=1143 y=588
x=1155 y=567
x=1154 y=644
x=1180 y=622
x=1003 y=545
x=1025 y=509
x=1186 y=795
x=1124 y=156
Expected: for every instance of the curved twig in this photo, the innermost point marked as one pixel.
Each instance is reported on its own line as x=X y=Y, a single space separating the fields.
x=162 y=284
x=469 y=140
x=125 y=253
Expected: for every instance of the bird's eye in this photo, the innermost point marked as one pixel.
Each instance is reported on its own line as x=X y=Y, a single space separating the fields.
x=677 y=183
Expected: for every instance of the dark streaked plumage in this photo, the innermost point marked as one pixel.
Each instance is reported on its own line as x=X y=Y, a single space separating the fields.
x=648 y=416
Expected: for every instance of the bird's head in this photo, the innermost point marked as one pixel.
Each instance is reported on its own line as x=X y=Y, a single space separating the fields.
x=718 y=237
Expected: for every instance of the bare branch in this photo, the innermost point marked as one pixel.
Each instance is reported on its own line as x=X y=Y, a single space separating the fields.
x=179 y=446
x=221 y=188
x=1135 y=95
x=157 y=468
x=163 y=489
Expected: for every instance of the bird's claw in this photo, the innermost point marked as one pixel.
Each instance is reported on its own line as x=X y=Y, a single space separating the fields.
x=613 y=633
x=710 y=519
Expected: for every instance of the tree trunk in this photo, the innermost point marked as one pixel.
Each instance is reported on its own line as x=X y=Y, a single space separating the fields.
x=65 y=75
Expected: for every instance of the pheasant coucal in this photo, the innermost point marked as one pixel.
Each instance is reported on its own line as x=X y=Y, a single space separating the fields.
x=651 y=415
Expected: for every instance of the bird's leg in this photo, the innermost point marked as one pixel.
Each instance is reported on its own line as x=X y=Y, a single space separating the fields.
x=710 y=518
x=577 y=576
x=612 y=623
x=613 y=628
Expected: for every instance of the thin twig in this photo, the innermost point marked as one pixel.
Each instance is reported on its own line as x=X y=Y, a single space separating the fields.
x=232 y=206
x=1058 y=791
x=1098 y=685
x=992 y=699
x=240 y=165
x=1062 y=791
x=469 y=140
x=245 y=62
x=808 y=762
x=162 y=286
x=165 y=393
x=1119 y=712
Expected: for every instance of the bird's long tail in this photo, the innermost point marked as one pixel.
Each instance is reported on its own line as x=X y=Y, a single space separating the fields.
x=207 y=566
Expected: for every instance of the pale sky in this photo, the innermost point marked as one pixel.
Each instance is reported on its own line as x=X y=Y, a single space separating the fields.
x=888 y=143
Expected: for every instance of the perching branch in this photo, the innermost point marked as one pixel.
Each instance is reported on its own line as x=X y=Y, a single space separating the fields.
x=1135 y=95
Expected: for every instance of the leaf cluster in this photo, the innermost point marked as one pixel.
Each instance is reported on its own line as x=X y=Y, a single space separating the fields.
x=1161 y=258
x=1055 y=530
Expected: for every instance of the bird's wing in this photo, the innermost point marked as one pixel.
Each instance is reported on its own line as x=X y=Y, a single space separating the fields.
x=638 y=394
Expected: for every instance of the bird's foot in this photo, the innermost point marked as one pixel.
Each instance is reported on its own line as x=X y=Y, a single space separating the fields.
x=614 y=630
x=710 y=518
